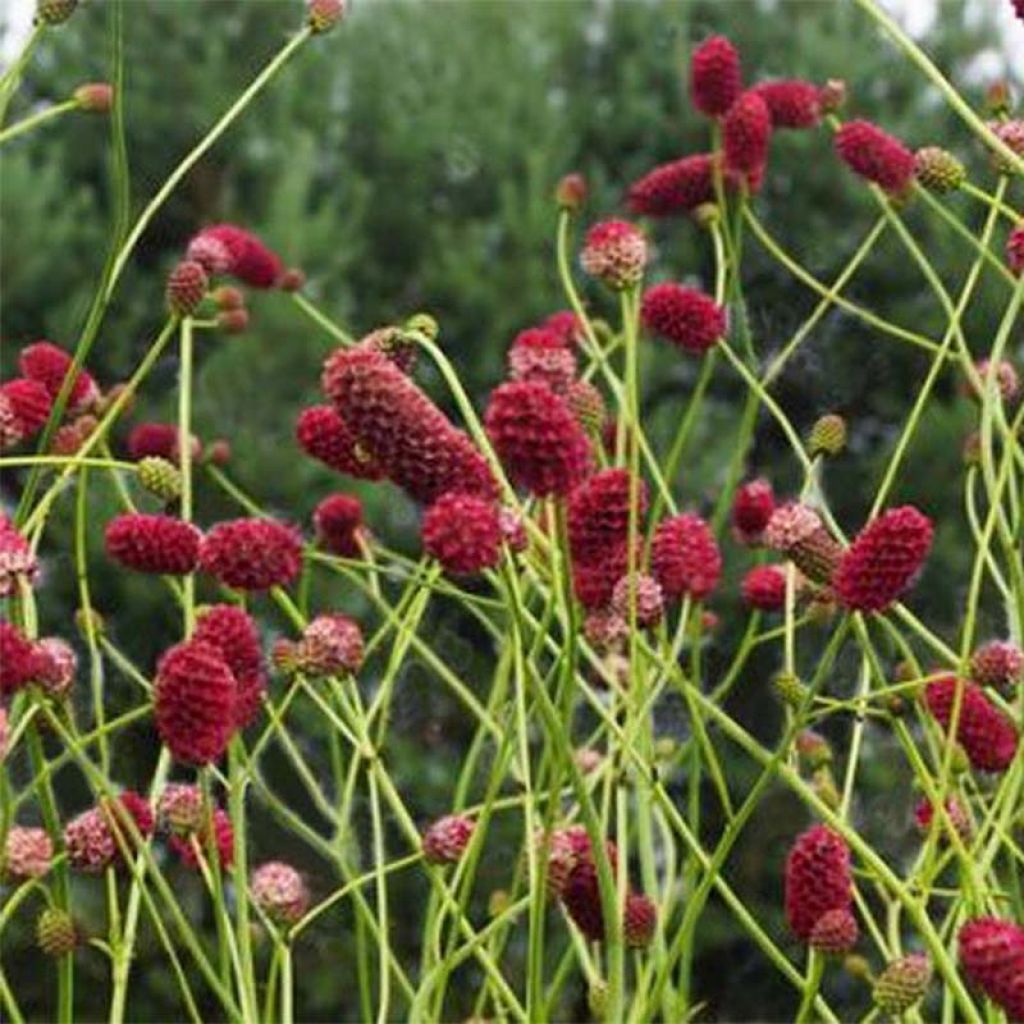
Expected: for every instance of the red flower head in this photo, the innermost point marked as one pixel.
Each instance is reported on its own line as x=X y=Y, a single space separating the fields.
x=180 y=808
x=446 y=839
x=835 y=932
x=817 y=879
x=122 y=812
x=280 y=892
x=598 y=514
x=322 y=433
x=992 y=956
x=791 y=102
x=11 y=430
x=751 y=509
x=463 y=533
x=988 y=737
x=17 y=560
x=581 y=893
x=56 y=666
x=89 y=842
x=28 y=853
x=797 y=531
x=565 y=846
x=883 y=559
x=677 y=187
x=18 y=659
x=30 y=404
x=409 y=437
x=153 y=543
x=330 y=645
x=537 y=438
x=615 y=252
x=924 y=814
x=566 y=324
x=338 y=520
x=227 y=249
x=593 y=582
x=746 y=132
x=195 y=700
x=715 y=77
x=252 y=554
x=685 y=316
x=186 y=287
x=640 y=919
x=764 y=587
x=160 y=440
x=540 y=354
x=875 y=155
x=233 y=634
x=323 y=15
x=998 y=663
x=49 y=365
x=223 y=838
x=1015 y=249
x=645 y=594
x=685 y=557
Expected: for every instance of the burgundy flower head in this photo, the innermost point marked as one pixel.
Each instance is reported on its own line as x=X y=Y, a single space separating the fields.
x=685 y=557
x=446 y=839
x=676 y=187
x=593 y=582
x=615 y=252
x=153 y=543
x=835 y=932
x=49 y=365
x=338 y=520
x=796 y=530
x=817 y=879
x=566 y=324
x=160 y=440
x=685 y=316
x=992 y=956
x=998 y=663
x=331 y=645
x=581 y=893
x=18 y=659
x=598 y=514
x=791 y=102
x=89 y=842
x=223 y=838
x=324 y=435
x=252 y=554
x=233 y=633
x=463 y=533
x=764 y=587
x=537 y=438
x=746 y=132
x=409 y=437
x=988 y=737
x=540 y=354
x=640 y=919
x=875 y=155
x=30 y=405
x=752 y=507
x=642 y=592
x=228 y=249
x=715 y=77
x=883 y=559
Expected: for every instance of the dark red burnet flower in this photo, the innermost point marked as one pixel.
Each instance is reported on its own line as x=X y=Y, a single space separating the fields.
x=875 y=155
x=598 y=513
x=640 y=593
x=153 y=543
x=186 y=287
x=752 y=507
x=715 y=77
x=540 y=354
x=233 y=633
x=639 y=920
x=19 y=659
x=446 y=839
x=746 y=133
x=593 y=582
x=537 y=438
x=581 y=892
x=566 y=324
x=883 y=559
x=817 y=879
x=408 y=436
x=222 y=836
x=195 y=700
x=988 y=737
x=49 y=365
x=791 y=102
x=322 y=433
x=30 y=403
x=685 y=558
x=1015 y=249
x=229 y=249
x=999 y=663
x=252 y=554
x=124 y=812
x=835 y=932
x=463 y=533
x=685 y=316
x=764 y=588
x=149 y=440
x=338 y=520
x=615 y=253
x=679 y=186
x=331 y=644
x=992 y=956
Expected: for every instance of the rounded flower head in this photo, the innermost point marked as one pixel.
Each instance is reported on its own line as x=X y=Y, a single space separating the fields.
x=598 y=513
x=89 y=842
x=160 y=477
x=186 y=288
x=797 y=531
x=49 y=365
x=30 y=404
x=331 y=644
x=195 y=701
x=153 y=543
x=1015 y=249
x=17 y=559
x=817 y=879
x=409 y=437
x=566 y=324
x=883 y=559
x=159 y=440
x=537 y=438
x=903 y=983
x=593 y=582
x=676 y=187
x=56 y=666
x=643 y=592
x=463 y=533
x=581 y=894
x=685 y=316
x=233 y=633
x=987 y=736
x=715 y=77
x=992 y=956
x=445 y=841
x=1012 y=133
x=180 y=808
x=937 y=170
x=280 y=892
x=324 y=435
x=615 y=252
x=791 y=102
x=999 y=663
x=746 y=132
x=875 y=155
x=640 y=919
x=764 y=588
x=127 y=813
x=228 y=249
x=835 y=932
x=605 y=629
x=752 y=507
x=19 y=659
x=540 y=354
x=323 y=15
x=56 y=932
x=222 y=840
x=338 y=520
x=252 y=554
x=28 y=853
x=685 y=557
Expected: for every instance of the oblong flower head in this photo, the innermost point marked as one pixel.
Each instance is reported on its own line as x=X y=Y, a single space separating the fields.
x=252 y=553
x=463 y=532
x=30 y=404
x=338 y=520
x=715 y=76
x=752 y=508
x=988 y=737
x=153 y=543
x=18 y=659
x=817 y=879
x=685 y=558
x=679 y=186
x=324 y=435
x=791 y=102
x=684 y=316
x=233 y=633
x=875 y=155
x=49 y=364
x=992 y=956
x=229 y=249
x=598 y=513
x=746 y=132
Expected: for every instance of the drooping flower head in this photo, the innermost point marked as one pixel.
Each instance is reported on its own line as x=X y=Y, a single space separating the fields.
x=791 y=102
x=987 y=736
x=229 y=249
x=324 y=435
x=251 y=554
x=685 y=316
x=875 y=155
x=463 y=533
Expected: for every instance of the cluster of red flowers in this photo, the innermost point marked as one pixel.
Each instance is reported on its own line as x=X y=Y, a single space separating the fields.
x=819 y=891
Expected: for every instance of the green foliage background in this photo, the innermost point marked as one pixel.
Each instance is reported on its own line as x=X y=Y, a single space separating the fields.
x=406 y=162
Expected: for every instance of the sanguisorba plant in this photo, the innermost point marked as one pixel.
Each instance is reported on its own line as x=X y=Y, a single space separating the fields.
x=556 y=524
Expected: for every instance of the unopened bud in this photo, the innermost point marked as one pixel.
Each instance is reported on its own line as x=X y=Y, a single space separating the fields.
x=571 y=192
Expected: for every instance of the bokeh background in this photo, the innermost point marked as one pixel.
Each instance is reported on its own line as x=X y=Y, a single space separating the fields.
x=406 y=162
